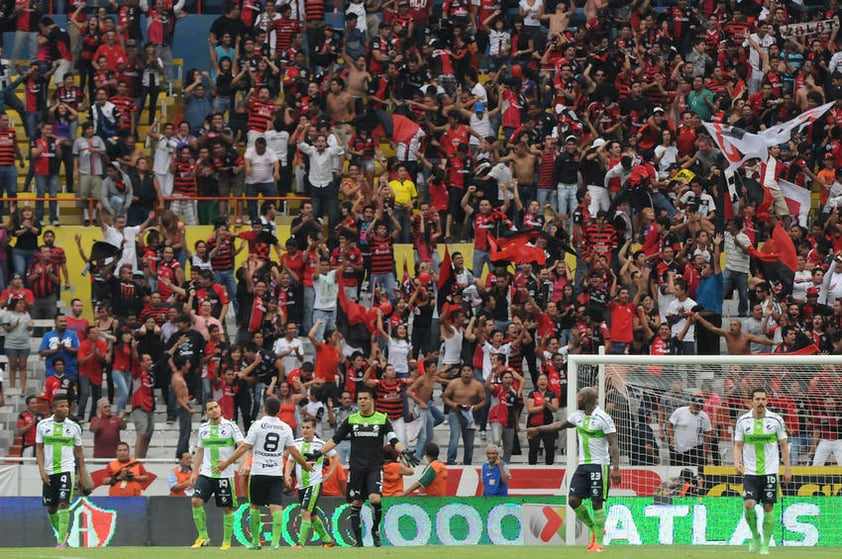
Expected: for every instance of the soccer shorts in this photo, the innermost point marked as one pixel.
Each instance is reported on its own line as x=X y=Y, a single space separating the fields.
x=761 y=489
x=590 y=482
x=308 y=497
x=266 y=490
x=221 y=488
x=59 y=490
x=362 y=483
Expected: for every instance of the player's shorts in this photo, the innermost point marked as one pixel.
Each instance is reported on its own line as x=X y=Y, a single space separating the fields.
x=761 y=489
x=362 y=483
x=266 y=490
x=308 y=497
x=221 y=488
x=590 y=482
x=60 y=490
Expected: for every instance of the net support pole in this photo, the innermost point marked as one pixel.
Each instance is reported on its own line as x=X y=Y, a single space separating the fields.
x=601 y=379
x=572 y=388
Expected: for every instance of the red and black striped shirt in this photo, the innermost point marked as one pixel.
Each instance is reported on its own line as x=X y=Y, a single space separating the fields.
x=285 y=28
x=42 y=286
x=389 y=398
x=184 y=179
x=223 y=259
x=260 y=114
x=126 y=108
x=314 y=10
x=8 y=141
x=382 y=255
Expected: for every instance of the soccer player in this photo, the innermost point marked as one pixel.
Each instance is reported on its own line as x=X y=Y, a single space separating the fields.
x=367 y=429
x=58 y=450
x=267 y=439
x=221 y=438
x=757 y=436
x=310 y=483
x=598 y=448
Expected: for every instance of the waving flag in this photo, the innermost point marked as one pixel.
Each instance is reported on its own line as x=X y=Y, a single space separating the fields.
x=797 y=200
x=516 y=248
x=738 y=146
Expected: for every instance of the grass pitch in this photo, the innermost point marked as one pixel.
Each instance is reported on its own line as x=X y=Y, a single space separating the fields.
x=426 y=552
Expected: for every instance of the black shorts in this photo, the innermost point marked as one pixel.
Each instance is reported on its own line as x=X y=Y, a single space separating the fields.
x=761 y=489
x=266 y=490
x=308 y=497
x=362 y=483
x=454 y=207
x=60 y=490
x=590 y=482
x=222 y=488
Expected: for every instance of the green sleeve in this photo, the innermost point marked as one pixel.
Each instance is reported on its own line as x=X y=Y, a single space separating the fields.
x=427 y=477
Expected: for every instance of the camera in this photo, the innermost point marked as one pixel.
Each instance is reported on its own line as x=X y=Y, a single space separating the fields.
x=129 y=475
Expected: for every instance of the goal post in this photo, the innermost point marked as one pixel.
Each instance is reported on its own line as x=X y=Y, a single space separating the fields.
x=646 y=388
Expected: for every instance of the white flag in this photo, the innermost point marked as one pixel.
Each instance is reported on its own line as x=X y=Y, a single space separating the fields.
x=797 y=200
x=737 y=145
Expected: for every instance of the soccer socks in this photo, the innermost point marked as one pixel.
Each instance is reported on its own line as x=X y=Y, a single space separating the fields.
x=321 y=530
x=304 y=532
x=356 y=524
x=228 y=527
x=598 y=524
x=62 y=523
x=201 y=521
x=255 y=525
x=277 y=526
x=768 y=526
x=585 y=516
x=751 y=520
x=53 y=520
x=378 y=516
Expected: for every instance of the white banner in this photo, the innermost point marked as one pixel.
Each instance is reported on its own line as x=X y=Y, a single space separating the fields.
x=797 y=200
x=809 y=28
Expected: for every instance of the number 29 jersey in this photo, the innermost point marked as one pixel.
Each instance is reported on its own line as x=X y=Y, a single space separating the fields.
x=268 y=438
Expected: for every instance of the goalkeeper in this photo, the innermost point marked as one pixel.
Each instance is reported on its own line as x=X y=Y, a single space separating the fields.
x=598 y=448
x=367 y=430
x=757 y=436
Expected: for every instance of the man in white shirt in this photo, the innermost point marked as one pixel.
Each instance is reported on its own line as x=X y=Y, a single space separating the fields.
x=162 y=157
x=759 y=42
x=123 y=236
x=326 y=288
x=678 y=313
x=323 y=190
x=689 y=435
x=737 y=263
x=288 y=348
x=262 y=171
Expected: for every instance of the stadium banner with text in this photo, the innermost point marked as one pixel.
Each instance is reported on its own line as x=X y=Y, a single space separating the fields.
x=511 y=521
x=807 y=481
x=809 y=28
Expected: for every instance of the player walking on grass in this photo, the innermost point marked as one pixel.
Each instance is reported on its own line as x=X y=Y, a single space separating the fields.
x=598 y=449
x=267 y=439
x=757 y=436
x=367 y=429
x=58 y=450
x=310 y=483
x=220 y=437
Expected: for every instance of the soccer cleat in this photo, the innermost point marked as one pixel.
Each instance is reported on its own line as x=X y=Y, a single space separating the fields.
x=329 y=544
x=255 y=547
x=595 y=548
x=593 y=540
x=764 y=550
x=61 y=546
x=754 y=545
x=225 y=546
x=375 y=537
x=200 y=542
x=298 y=546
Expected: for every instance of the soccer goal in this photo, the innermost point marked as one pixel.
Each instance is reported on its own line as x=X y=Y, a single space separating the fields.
x=643 y=392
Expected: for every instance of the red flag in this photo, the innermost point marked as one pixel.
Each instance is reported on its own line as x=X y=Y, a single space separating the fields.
x=356 y=313
x=517 y=248
x=446 y=270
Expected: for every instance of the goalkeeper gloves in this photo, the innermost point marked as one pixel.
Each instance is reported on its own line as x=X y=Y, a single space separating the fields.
x=312 y=456
x=409 y=457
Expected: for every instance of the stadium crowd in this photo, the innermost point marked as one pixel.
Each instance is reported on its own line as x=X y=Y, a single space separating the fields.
x=572 y=158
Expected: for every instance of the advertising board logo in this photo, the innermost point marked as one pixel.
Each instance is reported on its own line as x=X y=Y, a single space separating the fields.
x=545 y=524
x=90 y=525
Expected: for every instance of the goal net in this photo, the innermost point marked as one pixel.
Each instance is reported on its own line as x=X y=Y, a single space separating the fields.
x=675 y=419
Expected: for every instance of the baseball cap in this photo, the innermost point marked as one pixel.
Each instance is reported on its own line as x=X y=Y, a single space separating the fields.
x=256 y=222
x=17 y=276
x=697 y=400
x=828 y=156
x=599 y=142
x=812 y=291
x=657 y=110
x=479 y=107
x=571 y=138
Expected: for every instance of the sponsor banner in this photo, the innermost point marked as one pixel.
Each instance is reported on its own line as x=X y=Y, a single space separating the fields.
x=807 y=481
x=809 y=28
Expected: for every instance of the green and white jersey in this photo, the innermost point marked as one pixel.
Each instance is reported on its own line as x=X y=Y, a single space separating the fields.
x=219 y=442
x=268 y=438
x=592 y=430
x=760 y=438
x=310 y=479
x=59 y=440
